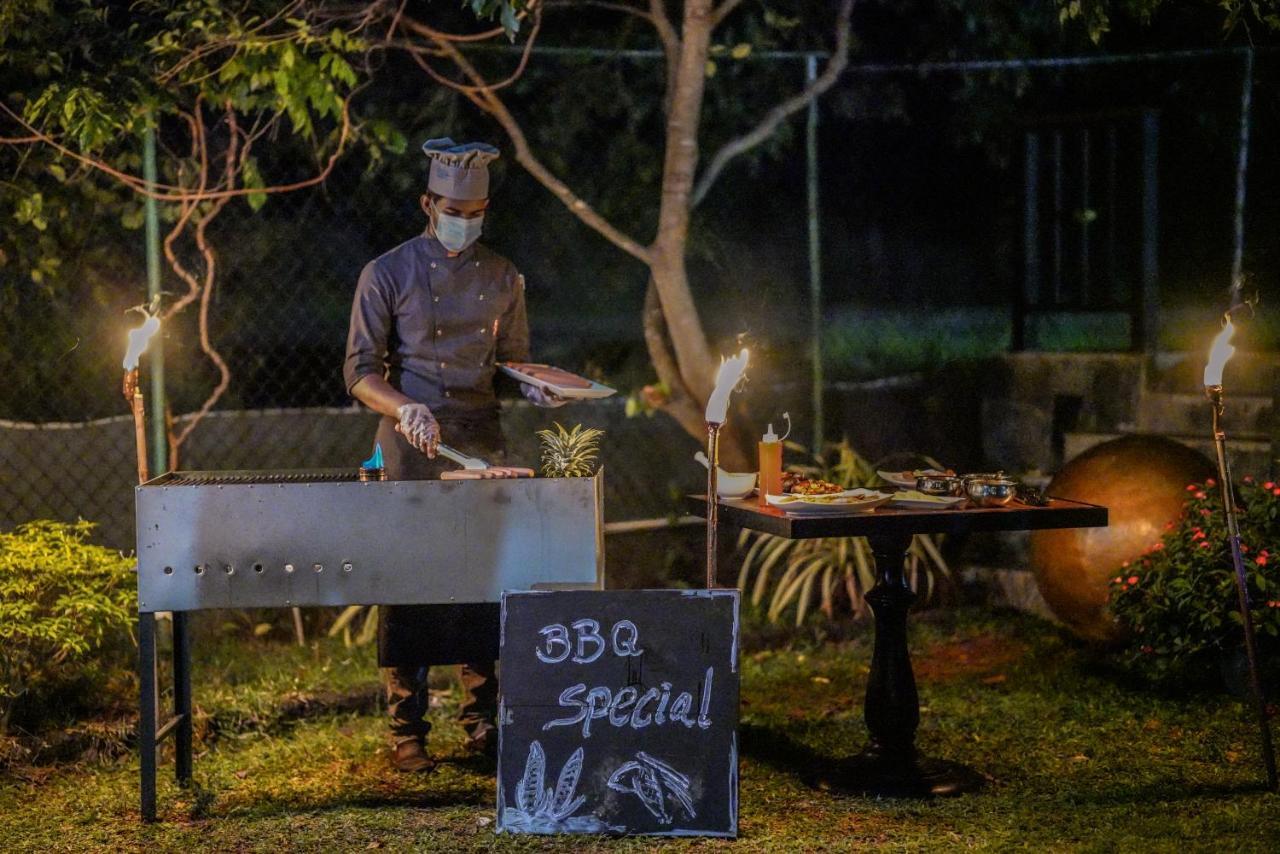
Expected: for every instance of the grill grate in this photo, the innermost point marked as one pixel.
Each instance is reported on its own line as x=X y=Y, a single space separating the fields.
x=216 y=478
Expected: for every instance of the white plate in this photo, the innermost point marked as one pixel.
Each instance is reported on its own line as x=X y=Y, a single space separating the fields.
x=914 y=500
x=597 y=389
x=897 y=478
x=849 y=501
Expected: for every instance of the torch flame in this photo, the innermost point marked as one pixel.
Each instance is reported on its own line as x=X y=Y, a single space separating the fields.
x=1219 y=353
x=731 y=371
x=138 y=340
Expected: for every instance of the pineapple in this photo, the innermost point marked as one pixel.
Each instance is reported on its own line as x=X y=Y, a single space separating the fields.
x=569 y=453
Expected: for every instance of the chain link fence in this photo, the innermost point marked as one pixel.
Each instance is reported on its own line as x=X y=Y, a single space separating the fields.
x=286 y=273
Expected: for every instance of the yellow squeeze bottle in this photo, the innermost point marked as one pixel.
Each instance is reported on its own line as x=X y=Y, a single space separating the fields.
x=770 y=477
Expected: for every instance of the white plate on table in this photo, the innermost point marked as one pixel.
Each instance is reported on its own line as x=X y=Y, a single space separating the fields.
x=849 y=501
x=907 y=480
x=915 y=500
x=596 y=389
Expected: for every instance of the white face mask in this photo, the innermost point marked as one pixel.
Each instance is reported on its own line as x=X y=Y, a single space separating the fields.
x=456 y=233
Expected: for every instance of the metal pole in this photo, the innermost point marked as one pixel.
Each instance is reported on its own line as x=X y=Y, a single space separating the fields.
x=1215 y=396
x=815 y=256
x=159 y=438
x=1149 y=298
x=1242 y=172
x=147 y=699
x=713 y=503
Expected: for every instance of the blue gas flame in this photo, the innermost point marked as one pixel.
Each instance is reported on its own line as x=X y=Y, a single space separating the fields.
x=374 y=462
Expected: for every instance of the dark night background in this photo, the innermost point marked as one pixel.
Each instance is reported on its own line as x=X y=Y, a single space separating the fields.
x=921 y=181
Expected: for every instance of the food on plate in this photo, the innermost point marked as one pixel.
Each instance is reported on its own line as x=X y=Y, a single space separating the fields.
x=550 y=375
x=796 y=484
x=909 y=475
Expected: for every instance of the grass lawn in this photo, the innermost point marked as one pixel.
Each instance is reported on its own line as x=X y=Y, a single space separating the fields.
x=1077 y=760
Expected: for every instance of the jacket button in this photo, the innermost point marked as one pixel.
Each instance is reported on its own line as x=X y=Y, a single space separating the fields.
x=435 y=299
x=447 y=394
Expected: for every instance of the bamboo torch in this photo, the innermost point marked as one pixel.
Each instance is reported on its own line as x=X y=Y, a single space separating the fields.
x=728 y=378
x=1219 y=353
x=138 y=340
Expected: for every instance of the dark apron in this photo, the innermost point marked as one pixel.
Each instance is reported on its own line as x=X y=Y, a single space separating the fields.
x=423 y=635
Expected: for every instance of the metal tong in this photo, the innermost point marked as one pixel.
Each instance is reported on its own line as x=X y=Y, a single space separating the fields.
x=468 y=463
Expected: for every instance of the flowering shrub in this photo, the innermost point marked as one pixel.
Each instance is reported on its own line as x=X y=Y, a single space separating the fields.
x=1177 y=603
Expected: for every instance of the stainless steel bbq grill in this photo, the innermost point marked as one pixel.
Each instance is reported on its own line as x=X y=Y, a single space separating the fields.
x=246 y=539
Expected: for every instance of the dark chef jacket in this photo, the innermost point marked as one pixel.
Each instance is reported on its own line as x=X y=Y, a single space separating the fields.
x=435 y=326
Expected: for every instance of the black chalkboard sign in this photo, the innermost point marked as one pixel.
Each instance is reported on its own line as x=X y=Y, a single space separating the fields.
x=619 y=712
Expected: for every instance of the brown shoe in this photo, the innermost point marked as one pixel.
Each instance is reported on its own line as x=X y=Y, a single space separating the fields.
x=484 y=740
x=411 y=756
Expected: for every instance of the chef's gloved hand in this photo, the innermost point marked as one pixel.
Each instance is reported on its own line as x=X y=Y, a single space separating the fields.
x=540 y=397
x=420 y=427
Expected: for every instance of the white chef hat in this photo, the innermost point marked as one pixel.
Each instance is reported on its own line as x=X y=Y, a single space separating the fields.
x=459 y=170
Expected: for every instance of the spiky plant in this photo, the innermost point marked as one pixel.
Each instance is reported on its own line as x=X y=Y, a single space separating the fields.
x=824 y=569
x=569 y=453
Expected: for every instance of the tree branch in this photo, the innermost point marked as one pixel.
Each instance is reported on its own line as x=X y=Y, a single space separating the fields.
x=422 y=29
x=480 y=95
x=230 y=166
x=723 y=11
x=172 y=193
x=776 y=116
x=624 y=8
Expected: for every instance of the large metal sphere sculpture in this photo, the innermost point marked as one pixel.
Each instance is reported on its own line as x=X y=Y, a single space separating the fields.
x=1142 y=480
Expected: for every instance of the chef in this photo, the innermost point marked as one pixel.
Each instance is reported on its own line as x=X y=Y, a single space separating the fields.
x=430 y=321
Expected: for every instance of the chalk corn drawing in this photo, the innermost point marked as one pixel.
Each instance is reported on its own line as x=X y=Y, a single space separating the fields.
x=546 y=810
x=652 y=780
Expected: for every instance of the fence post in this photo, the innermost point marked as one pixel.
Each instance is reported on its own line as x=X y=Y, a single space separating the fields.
x=1149 y=304
x=159 y=436
x=1028 y=295
x=1242 y=173
x=815 y=255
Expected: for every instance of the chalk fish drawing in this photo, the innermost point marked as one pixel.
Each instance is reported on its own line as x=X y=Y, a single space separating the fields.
x=547 y=810
x=653 y=781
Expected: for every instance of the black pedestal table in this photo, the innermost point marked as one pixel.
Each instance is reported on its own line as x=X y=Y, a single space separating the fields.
x=890 y=765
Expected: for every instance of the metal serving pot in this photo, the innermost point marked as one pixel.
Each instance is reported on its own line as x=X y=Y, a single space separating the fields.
x=939 y=484
x=991 y=491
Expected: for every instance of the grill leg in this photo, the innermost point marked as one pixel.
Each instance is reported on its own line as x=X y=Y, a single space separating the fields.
x=147 y=700
x=182 y=695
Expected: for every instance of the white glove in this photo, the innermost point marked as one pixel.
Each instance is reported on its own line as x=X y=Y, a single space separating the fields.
x=420 y=427
x=540 y=397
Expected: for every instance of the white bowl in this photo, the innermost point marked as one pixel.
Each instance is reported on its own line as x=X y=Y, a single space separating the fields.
x=734 y=484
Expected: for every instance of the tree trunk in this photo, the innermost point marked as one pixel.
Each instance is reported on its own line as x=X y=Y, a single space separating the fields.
x=670 y=277
x=737 y=449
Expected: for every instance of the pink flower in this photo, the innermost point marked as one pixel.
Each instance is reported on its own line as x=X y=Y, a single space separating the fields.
x=1133 y=579
x=1117 y=580
x=1248 y=478
x=1204 y=544
x=1262 y=558
x=1198 y=535
x=1157 y=547
x=1243 y=548
x=1202 y=494
x=1271 y=603
x=1191 y=487
x=1268 y=485
x=1205 y=511
x=1210 y=482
